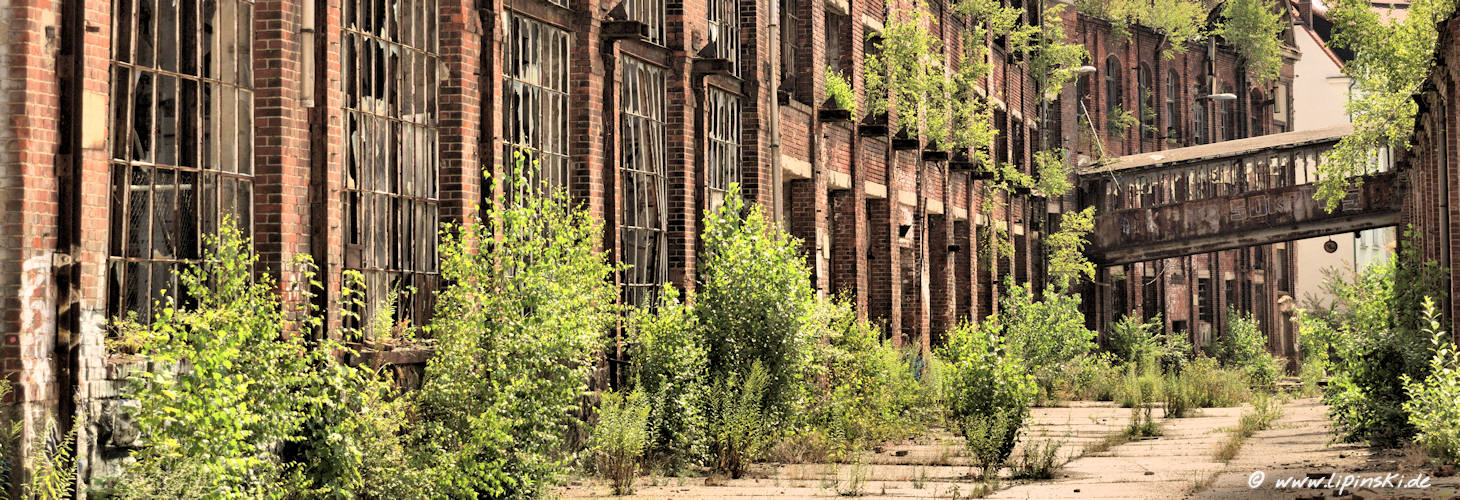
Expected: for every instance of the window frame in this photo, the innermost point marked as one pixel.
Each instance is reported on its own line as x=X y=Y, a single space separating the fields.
x=176 y=146
x=642 y=164
x=550 y=145
x=392 y=212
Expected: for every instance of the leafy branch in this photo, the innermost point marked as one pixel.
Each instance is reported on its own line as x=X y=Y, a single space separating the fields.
x=1391 y=61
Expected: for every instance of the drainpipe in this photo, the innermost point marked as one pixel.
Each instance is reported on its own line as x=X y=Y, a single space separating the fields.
x=777 y=205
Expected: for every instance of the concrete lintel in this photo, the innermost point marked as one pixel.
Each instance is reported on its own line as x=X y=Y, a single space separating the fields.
x=935 y=207
x=908 y=198
x=872 y=23
x=839 y=6
x=838 y=180
x=795 y=168
x=960 y=213
x=874 y=190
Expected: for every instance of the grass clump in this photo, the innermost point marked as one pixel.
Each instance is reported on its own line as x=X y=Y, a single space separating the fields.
x=620 y=438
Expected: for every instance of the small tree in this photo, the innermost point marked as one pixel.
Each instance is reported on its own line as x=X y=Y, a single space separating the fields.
x=518 y=329
x=752 y=300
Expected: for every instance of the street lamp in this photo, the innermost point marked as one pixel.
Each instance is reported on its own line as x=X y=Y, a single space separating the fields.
x=1226 y=96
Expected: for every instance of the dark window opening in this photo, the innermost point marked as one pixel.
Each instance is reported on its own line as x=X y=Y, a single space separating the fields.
x=1173 y=120
x=790 y=27
x=1112 y=88
x=1147 y=102
x=838 y=36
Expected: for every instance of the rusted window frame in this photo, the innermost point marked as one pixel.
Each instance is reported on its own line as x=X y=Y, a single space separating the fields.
x=390 y=79
x=722 y=155
x=649 y=12
x=1146 y=101
x=1113 y=92
x=535 y=87
x=147 y=176
x=643 y=210
x=724 y=31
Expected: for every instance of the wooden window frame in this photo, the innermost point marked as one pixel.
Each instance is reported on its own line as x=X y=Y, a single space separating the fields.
x=643 y=201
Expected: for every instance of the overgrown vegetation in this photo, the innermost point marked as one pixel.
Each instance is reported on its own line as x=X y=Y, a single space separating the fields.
x=839 y=91
x=1434 y=402
x=1372 y=337
x=620 y=438
x=988 y=391
x=1265 y=410
x=1392 y=60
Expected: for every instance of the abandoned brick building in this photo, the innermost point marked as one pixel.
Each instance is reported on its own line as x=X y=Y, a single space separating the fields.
x=348 y=129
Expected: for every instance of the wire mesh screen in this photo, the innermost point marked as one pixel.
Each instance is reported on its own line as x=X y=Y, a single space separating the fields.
x=182 y=139
x=642 y=197
x=390 y=76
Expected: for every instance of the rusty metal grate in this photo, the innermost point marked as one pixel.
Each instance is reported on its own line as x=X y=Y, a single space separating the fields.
x=182 y=139
x=722 y=121
x=535 y=111
x=642 y=194
x=390 y=73
x=725 y=31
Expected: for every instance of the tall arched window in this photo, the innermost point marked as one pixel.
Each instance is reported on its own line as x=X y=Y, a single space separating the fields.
x=1255 y=114
x=1173 y=89
x=1199 y=121
x=1146 y=98
x=1112 y=88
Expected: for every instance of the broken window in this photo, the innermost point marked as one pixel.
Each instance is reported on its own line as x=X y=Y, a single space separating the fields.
x=649 y=12
x=790 y=25
x=1112 y=88
x=535 y=99
x=725 y=31
x=182 y=140
x=1146 y=99
x=642 y=200
x=389 y=71
x=722 y=121
x=1173 y=89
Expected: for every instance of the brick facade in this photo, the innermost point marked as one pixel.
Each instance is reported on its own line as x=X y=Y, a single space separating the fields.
x=897 y=235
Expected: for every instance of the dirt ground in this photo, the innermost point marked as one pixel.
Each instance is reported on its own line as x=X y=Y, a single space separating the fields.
x=1181 y=462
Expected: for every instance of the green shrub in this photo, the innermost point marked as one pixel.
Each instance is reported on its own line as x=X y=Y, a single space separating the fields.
x=518 y=329
x=867 y=392
x=620 y=438
x=1377 y=338
x=1244 y=347
x=1178 y=395
x=1038 y=460
x=241 y=402
x=670 y=367
x=987 y=388
x=990 y=438
x=1096 y=378
x=740 y=430
x=839 y=91
x=1046 y=335
x=1213 y=387
x=752 y=301
x=1134 y=342
x=1434 y=404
